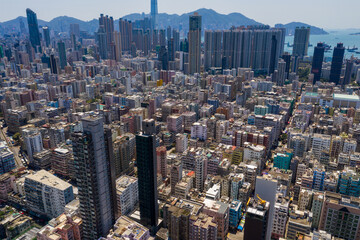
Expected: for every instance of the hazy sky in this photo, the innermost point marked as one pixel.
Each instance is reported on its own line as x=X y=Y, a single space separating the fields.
x=329 y=14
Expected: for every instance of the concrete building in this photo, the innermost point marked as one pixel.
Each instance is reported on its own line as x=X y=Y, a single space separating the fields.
x=202 y=226
x=299 y=222
x=281 y=210
x=181 y=142
x=7 y=159
x=47 y=194
x=63 y=227
x=126 y=194
x=33 y=141
x=125 y=228
x=340 y=216
x=199 y=131
x=220 y=212
x=62 y=162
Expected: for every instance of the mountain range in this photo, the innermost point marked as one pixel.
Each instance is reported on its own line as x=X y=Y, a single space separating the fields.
x=211 y=21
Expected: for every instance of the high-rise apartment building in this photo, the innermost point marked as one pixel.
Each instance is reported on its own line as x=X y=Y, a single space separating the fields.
x=105 y=36
x=125 y=29
x=195 y=22
x=93 y=174
x=213 y=40
x=301 y=41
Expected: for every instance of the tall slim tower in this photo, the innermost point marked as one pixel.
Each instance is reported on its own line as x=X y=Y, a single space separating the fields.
x=46 y=33
x=93 y=175
x=194 y=43
x=154 y=13
x=147 y=175
x=337 y=62
x=33 y=28
x=318 y=59
x=301 y=41
x=62 y=54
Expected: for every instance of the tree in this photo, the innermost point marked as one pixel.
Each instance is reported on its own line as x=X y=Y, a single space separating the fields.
x=16 y=136
x=283 y=138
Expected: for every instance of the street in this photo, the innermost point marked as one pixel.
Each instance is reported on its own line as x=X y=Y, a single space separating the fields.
x=14 y=149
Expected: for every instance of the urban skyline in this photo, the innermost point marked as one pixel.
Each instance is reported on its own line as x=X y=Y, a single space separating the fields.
x=271 y=13
x=140 y=129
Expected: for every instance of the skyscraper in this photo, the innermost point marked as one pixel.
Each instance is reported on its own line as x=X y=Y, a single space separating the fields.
x=301 y=41
x=154 y=13
x=194 y=43
x=53 y=64
x=337 y=62
x=62 y=54
x=106 y=37
x=287 y=59
x=348 y=72
x=318 y=59
x=93 y=175
x=33 y=28
x=176 y=36
x=75 y=29
x=46 y=33
x=147 y=175
x=117 y=45
x=125 y=29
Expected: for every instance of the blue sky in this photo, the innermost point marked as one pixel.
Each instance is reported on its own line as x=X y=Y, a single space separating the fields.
x=328 y=14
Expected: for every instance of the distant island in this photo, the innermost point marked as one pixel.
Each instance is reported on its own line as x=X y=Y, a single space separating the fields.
x=290 y=28
x=212 y=20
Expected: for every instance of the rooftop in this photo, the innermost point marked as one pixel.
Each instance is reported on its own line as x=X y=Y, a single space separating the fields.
x=48 y=179
x=337 y=96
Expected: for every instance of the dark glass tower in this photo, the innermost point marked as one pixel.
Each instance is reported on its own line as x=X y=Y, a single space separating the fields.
x=318 y=59
x=93 y=176
x=62 y=54
x=287 y=58
x=273 y=57
x=336 y=64
x=33 y=28
x=146 y=164
x=53 y=64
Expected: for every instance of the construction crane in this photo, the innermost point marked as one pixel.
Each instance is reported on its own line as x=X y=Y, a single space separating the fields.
x=262 y=202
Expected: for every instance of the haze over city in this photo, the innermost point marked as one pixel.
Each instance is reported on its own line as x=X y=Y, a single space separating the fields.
x=329 y=14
